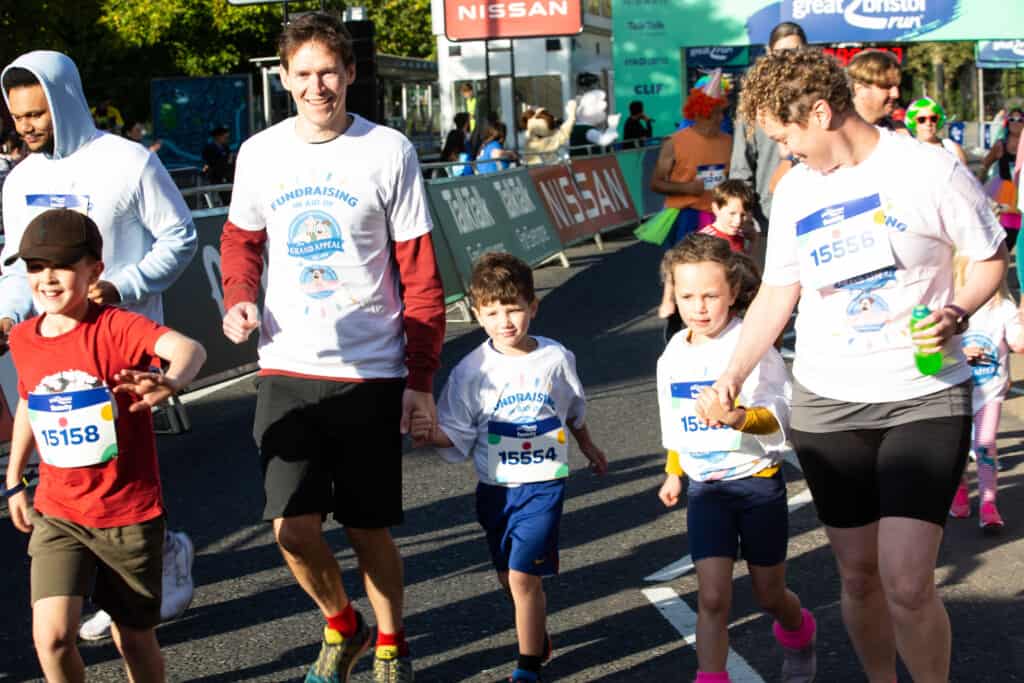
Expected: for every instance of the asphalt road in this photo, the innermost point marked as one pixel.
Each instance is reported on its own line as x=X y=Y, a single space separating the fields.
x=250 y=622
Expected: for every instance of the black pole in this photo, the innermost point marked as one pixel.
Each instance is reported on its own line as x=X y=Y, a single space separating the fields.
x=487 y=75
x=515 y=107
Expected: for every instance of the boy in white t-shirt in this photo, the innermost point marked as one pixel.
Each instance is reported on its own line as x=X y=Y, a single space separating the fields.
x=508 y=404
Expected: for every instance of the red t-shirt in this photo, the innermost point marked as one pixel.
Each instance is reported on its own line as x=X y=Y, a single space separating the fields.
x=736 y=242
x=126 y=489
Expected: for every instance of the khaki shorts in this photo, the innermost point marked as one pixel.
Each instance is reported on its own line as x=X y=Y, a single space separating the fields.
x=120 y=569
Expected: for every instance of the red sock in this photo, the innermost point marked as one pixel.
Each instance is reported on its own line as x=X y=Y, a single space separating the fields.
x=344 y=622
x=396 y=639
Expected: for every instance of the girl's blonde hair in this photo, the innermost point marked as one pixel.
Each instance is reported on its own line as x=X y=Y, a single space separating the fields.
x=960 y=265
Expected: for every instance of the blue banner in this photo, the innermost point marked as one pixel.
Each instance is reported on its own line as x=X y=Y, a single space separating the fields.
x=712 y=57
x=833 y=21
x=999 y=54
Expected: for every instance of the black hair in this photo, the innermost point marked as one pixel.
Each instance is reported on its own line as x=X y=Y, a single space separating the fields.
x=18 y=77
x=316 y=27
x=636 y=107
x=786 y=29
x=454 y=145
x=461 y=119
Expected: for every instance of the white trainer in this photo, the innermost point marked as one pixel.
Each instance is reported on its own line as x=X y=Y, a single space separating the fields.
x=96 y=627
x=178 y=586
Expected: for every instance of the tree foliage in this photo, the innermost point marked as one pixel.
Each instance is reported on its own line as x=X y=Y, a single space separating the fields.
x=934 y=65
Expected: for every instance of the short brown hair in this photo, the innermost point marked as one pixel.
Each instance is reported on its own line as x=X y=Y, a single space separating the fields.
x=733 y=189
x=740 y=270
x=875 y=67
x=500 y=277
x=786 y=83
x=316 y=27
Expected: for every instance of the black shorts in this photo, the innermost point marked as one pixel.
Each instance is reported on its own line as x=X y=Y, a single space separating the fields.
x=331 y=447
x=750 y=513
x=909 y=470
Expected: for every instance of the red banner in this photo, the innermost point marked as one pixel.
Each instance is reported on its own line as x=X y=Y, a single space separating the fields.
x=585 y=199
x=485 y=19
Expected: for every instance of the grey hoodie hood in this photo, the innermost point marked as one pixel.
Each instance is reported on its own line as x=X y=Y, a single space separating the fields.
x=72 y=123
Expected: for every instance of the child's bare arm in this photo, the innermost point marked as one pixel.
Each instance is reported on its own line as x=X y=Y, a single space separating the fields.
x=598 y=461
x=184 y=356
x=22 y=442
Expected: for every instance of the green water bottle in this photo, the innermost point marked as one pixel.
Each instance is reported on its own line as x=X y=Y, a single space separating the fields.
x=928 y=363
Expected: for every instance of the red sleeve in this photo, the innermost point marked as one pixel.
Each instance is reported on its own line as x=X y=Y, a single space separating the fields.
x=423 y=316
x=134 y=335
x=241 y=263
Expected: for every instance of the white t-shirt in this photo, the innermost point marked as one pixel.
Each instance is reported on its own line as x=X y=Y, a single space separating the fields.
x=148 y=234
x=991 y=326
x=683 y=370
x=488 y=386
x=852 y=337
x=332 y=212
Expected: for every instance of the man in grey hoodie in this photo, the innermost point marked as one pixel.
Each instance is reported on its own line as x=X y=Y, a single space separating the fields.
x=148 y=235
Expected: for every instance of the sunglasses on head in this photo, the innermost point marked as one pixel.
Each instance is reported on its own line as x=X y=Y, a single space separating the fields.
x=928 y=119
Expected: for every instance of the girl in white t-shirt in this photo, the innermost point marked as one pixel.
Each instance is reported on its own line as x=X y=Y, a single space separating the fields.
x=736 y=495
x=994 y=331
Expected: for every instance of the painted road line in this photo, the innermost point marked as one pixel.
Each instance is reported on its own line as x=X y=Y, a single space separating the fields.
x=191 y=396
x=684 y=620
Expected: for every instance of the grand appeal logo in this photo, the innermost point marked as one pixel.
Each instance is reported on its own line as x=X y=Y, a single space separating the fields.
x=831 y=20
x=314 y=235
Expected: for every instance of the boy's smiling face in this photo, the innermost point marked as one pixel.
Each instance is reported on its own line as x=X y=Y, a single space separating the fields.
x=508 y=325
x=61 y=289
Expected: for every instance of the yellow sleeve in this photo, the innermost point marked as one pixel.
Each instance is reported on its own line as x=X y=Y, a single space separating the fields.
x=672 y=465
x=759 y=421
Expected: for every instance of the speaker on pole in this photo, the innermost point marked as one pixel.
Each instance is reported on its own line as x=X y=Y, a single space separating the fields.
x=362 y=96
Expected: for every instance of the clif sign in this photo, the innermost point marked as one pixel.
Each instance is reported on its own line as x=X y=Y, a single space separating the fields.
x=488 y=19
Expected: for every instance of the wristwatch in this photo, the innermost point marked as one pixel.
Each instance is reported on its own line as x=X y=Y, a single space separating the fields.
x=962 y=317
x=17 y=488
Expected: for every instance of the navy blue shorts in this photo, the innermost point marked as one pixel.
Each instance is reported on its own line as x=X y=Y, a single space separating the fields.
x=522 y=525
x=749 y=513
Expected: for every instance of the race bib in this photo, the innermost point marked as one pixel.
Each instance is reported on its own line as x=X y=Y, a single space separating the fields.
x=526 y=452
x=74 y=428
x=713 y=175
x=842 y=242
x=693 y=436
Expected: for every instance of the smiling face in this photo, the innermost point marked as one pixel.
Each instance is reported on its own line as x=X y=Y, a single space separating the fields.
x=703 y=297
x=508 y=325
x=810 y=143
x=61 y=289
x=32 y=118
x=873 y=102
x=318 y=81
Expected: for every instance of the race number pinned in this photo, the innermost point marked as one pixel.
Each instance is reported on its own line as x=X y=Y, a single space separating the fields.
x=526 y=452
x=842 y=242
x=692 y=435
x=74 y=428
x=712 y=175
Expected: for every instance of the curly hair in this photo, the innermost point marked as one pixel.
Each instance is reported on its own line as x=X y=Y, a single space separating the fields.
x=741 y=272
x=500 y=277
x=785 y=84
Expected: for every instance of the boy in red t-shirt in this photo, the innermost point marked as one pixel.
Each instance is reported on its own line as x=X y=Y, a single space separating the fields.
x=86 y=391
x=732 y=202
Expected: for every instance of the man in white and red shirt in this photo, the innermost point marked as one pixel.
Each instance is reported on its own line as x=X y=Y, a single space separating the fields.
x=350 y=336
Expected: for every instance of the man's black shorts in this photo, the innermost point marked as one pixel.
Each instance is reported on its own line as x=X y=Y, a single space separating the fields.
x=331 y=447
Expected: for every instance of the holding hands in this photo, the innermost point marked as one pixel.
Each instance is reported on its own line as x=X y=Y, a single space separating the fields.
x=716 y=405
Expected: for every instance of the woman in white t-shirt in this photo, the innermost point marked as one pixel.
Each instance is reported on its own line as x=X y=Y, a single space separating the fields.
x=995 y=330
x=862 y=231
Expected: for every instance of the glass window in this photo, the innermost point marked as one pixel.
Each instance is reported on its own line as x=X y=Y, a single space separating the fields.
x=540 y=91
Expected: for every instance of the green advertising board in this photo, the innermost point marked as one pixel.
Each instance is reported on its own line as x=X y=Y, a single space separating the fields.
x=492 y=212
x=650 y=35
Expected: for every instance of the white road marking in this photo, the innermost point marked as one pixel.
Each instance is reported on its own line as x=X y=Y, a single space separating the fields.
x=684 y=620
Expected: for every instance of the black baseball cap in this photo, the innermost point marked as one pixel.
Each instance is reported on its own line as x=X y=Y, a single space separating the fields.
x=60 y=236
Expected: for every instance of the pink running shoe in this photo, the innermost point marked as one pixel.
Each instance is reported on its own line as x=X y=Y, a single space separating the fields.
x=961 y=507
x=989 y=517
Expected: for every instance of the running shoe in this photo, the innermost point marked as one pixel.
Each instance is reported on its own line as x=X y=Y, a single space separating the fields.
x=390 y=667
x=523 y=676
x=338 y=655
x=178 y=586
x=96 y=627
x=989 y=517
x=961 y=507
x=799 y=666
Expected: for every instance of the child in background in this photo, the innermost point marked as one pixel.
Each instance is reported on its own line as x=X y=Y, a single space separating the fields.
x=994 y=330
x=731 y=202
x=86 y=392
x=508 y=404
x=737 y=494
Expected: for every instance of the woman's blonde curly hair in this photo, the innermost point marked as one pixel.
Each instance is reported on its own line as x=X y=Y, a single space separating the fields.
x=786 y=83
